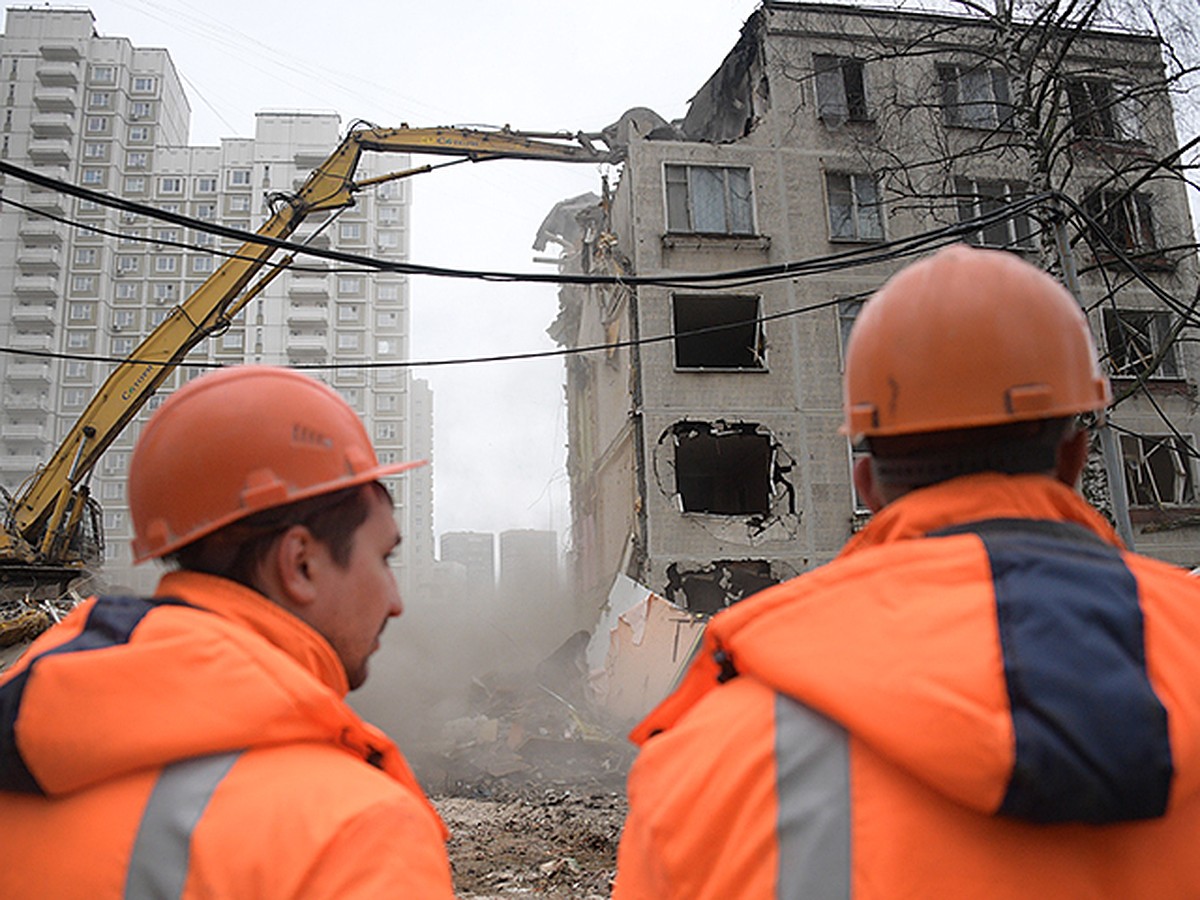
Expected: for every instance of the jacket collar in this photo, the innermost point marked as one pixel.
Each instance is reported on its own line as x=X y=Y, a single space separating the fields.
x=251 y=609
x=973 y=498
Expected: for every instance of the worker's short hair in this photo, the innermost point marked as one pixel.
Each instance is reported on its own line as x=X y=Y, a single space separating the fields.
x=1017 y=448
x=235 y=551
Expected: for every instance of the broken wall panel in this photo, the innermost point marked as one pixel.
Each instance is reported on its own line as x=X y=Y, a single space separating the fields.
x=721 y=469
x=708 y=589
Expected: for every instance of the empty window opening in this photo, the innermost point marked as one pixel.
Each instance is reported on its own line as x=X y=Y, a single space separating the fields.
x=712 y=588
x=840 y=93
x=723 y=470
x=1140 y=344
x=717 y=332
x=1158 y=470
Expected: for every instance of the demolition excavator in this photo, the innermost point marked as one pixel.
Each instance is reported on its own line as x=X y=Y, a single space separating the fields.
x=51 y=528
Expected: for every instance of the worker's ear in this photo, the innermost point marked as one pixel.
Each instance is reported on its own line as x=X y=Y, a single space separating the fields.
x=864 y=481
x=1071 y=458
x=289 y=568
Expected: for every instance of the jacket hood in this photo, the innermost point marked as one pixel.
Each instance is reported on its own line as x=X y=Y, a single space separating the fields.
x=206 y=666
x=1008 y=683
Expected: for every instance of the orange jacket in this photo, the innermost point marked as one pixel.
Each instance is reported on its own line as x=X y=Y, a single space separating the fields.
x=983 y=696
x=198 y=745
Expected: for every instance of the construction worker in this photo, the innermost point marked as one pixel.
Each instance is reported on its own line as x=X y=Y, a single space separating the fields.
x=197 y=743
x=984 y=695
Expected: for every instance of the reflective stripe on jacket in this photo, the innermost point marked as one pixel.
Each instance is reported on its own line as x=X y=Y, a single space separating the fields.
x=983 y=696
x=198 y=745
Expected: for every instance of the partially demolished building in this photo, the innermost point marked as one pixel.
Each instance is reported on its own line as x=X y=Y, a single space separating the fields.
x=705 y=458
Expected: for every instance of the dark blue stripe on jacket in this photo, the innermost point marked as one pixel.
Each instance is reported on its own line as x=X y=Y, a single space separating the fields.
x=111 y=622
x=1091 y=735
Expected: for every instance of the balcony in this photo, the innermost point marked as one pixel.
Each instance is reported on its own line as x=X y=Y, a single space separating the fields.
x=62 y=51
x=47 y=201
x=309 y=287
x=52 y=99
x=30 y=373
x=307 y=315
x=20 y=466
x=34 y=314
x=16 y=401
x=55 y=124
x=307 y=345
x=58 y=73
x=36 y=286
x=24 y=340
x=46 y=259
x=25 y=431
x=37 y=232
x=49 y=151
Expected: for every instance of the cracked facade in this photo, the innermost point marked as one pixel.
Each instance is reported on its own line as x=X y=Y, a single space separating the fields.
x=709 y=465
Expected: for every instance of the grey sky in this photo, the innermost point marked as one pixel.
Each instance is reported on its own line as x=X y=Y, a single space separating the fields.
x=500 y=428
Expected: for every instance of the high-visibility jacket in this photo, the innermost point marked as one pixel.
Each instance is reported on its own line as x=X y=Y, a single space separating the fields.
x=983 y=696
x=197 y=744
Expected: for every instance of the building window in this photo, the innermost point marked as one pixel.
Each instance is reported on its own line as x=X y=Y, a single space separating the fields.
x=387 y=293
x=847 y=313
x=385 y=431
x=93 y=176
x=123 y=346
x=1136 y=338
x=206 y=184
x=137 y=159
x=81 y=312
x=158 y=316
x=164 y=293
x=387 y=347
x=171 y=184
x=974 y=96
x=75 y=398
x=83 y=284
x=78 y=370
x=717 y=331
x=350 y=231
x=139 y=134
x=141 y=109
x=841 y=96
x=1158 y=470
x=386 y=403
x=100 y=100
x=387 y=320
x=127 y=264
x=202 y=265
x=1125 y=219
x=102 y=74
x=233 y=340
x=127 y=291
x=722 y=469
x=349 y=313
x=97 y=125
x=1103 y=109
x=206 y=211
x=135 y=184
x=709 y=199
x=388 y=240
x=79 y=340
x=238 y=178
x=351 y=342
x=124 y=319
x=350 y=284
x=85 y=256
x=977 y=199
x=239 y=203
x=854 y=213
x=95 y=150
x=167 y=264
x=389 y=215
x=144 y=84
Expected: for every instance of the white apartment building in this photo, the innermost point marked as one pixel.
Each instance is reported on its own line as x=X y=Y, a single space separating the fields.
x=93 y=282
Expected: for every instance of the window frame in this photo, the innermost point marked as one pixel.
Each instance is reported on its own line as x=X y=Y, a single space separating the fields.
x=975 y=192
x=979 y=113
x=856 y=209
x=683 y=200
x=839 y=99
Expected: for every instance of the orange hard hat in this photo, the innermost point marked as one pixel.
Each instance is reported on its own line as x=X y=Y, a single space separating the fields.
x=235 y=442
x=967 y=338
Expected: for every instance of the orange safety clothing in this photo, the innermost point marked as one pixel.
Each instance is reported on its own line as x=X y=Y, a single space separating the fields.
x=983 y=696
x=197 y=744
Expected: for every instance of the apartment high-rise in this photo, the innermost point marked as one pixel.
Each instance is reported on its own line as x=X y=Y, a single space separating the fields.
x=89 y=283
